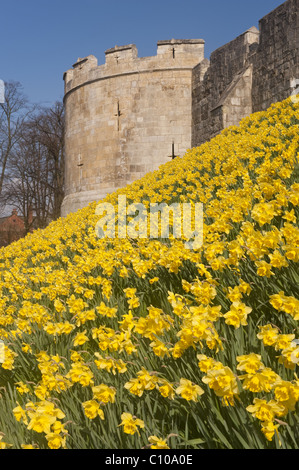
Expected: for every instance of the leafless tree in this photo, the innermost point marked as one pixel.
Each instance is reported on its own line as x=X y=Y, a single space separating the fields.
x=26 y=186
x=35 y=173
x=49 y=125
x=13 y=113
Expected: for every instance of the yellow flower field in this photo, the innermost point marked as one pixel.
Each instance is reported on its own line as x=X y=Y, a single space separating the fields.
x=142 y=343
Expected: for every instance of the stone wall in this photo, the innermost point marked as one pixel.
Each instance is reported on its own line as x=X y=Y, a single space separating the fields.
x=258 y=68
x=221 y=88
x=276 y=62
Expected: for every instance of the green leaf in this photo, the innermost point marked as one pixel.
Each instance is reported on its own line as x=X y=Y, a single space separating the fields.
x=221 y=436
x=195 y=442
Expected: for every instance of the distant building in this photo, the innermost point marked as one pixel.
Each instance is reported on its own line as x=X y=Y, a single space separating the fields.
x=12 y=228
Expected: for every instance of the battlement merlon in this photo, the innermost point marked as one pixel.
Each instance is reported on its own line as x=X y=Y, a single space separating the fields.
x=81 y=66
x=120 y=54
x=186 y=47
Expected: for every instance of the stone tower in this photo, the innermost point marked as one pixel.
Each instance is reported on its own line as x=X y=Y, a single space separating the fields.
x=126 y=117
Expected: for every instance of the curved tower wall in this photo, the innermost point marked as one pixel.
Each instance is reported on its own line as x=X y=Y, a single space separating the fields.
x=126 y=117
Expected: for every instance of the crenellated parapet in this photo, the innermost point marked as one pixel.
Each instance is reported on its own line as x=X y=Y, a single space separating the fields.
x=123 y=60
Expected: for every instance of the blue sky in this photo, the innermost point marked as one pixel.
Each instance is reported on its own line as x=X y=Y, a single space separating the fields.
x=41 y=39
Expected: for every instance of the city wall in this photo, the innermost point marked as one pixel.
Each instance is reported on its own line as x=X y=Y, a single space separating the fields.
x=128 y=116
